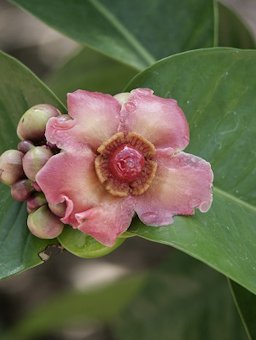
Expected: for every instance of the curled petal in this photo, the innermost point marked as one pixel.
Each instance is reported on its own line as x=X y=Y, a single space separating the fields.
x=71 y=178
x=65 y=177
x=95 y=118
x=183 y=182
x=159 y=120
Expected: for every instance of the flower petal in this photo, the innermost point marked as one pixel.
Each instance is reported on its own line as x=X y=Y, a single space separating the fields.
x=183 y=182
x=108 y=220
x=95 y=119
x=159 y=120
x=64 y=178
x=71 y=177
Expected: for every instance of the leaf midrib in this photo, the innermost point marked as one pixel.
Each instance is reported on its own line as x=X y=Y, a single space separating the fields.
x=148 y=57
x=235 y=199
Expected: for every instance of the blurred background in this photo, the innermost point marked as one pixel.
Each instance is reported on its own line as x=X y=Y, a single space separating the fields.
x=43 y=50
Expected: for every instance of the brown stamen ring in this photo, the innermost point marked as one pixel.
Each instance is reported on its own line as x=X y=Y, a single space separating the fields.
x=124 y=164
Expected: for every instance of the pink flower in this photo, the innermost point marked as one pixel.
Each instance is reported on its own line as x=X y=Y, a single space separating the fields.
x=122 y=155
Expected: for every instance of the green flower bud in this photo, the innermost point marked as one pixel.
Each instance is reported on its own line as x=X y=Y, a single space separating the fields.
x=11 y=167
x=58 y=209
x=21 y=190
x=25 y=145
x=44 y=224
x=33 y=122
x=35 y=159
x=35 y=201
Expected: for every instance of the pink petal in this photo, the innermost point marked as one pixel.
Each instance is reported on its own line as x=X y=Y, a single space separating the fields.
x=183 y=182
x=108 y=220
x=95 y=119
x=159 y=120
x=71 y=177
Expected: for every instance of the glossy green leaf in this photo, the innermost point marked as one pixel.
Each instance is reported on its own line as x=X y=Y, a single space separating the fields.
x=216 y=89
x=232 y=30
x=133 y=32
x=78 y=308
x=19 y=250
x=91 y=71
x=184 y=299
x=83 y=245
x=246 y=305
x=19 y=90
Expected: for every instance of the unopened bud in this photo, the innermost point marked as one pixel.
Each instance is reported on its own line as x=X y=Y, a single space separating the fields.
x=35 y=159
x=58 y=209
x=44 y=224
x=11 y=167
x=33 y=122
x=35 y=201
x=25 y=145
x=21 y=190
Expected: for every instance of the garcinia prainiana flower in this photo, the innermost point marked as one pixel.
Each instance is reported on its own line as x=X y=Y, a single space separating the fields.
x=119 y=156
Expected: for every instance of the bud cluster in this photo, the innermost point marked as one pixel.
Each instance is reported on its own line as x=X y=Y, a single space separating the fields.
x=18 y=169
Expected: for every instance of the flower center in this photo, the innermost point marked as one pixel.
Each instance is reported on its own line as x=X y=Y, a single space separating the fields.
x=126 y=163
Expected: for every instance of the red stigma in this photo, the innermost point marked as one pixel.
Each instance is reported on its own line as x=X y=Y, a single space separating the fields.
x=126 y=163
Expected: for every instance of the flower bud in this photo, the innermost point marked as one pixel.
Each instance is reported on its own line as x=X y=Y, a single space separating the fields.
x=44 y=224
x=58 y=209
x=25 y=145
x=33 y=122
x=35 y=201
x=11 y=166
x=21 y=190
x=35 y=159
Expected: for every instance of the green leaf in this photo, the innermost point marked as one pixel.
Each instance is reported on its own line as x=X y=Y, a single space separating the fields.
x=19 y=250
x=19 y=90
x=134 y=32
x=100 y=304
x=246 y=305
x=232 y=30
x=91 y=71
x=182 y=300
x=216 y=89
x=83 y=245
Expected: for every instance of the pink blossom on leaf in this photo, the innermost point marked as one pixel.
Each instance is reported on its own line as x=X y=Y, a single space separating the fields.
x=119 y=156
